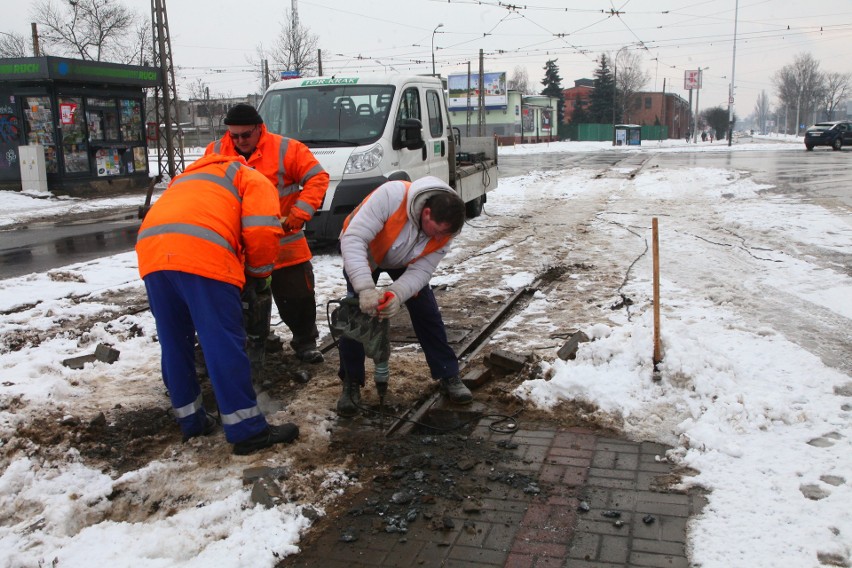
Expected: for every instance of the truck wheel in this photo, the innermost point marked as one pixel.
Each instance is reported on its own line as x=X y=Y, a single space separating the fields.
x=473 y=208
x=837 y=145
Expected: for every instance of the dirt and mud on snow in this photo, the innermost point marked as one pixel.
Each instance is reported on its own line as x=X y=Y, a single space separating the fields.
x=564 y=266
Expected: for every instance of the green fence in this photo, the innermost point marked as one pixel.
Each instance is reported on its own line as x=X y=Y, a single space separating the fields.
x=603 y=132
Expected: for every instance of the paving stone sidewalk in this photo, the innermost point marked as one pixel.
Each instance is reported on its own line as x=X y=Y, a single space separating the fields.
x=604 y=503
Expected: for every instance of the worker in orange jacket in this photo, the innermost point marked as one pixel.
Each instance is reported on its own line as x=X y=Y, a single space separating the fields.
x=301 y=183
x=214 y=231
x=403 y=229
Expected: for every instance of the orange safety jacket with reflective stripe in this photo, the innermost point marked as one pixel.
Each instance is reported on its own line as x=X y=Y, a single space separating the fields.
x=384 y=239
x=218 y=219
x=297 y=175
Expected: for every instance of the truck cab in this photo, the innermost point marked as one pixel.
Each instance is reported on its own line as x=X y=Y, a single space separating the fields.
x=365 y=130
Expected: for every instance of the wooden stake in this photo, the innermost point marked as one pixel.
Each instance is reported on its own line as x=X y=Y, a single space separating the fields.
x=656 y=253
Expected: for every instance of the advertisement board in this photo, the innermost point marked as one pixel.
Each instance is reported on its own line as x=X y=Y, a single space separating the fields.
x=494 y=88
x=692 y=79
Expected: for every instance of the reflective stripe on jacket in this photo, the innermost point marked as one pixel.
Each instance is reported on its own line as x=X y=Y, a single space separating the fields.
x=218 y=219
x=297 y=175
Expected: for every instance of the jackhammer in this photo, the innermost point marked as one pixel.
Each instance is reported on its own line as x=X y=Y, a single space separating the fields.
x=374 y=334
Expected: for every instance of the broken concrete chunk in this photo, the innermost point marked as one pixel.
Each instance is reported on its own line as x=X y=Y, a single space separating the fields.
x=78 y=362
x=252 y=474
x=513 y=362
x=106 y=353
x=267 y=493
x=102 y=352
x=569 y=350
x=476 y=378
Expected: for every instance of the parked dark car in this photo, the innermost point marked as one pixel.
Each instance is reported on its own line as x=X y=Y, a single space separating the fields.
x=837 y=133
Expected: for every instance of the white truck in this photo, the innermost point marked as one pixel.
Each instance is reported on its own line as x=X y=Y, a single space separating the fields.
x=368 y=129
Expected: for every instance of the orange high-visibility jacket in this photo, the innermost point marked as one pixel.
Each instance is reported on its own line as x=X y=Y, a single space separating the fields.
x=300 y=179
x=384 y=231
x=385 y=238
x=218 y=219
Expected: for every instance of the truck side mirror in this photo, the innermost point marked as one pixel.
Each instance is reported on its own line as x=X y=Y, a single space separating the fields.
x=408 y=133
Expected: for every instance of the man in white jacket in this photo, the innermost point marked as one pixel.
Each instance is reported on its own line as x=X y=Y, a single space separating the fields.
x=403 y=229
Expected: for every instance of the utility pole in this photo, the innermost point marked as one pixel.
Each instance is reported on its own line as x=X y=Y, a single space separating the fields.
x=169 y=153
x=733 y=72
x=697 y=96
x=481 y=93
x=663 y=122
x=469 y=109
x=36 y=50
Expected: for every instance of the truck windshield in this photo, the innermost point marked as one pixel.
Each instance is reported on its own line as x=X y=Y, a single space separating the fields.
x=351 y=115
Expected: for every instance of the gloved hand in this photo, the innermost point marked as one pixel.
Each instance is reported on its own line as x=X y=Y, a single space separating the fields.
x=389 y=305
x=258 y=285
x=291 y=224
x=295 y=219
x=368 y=301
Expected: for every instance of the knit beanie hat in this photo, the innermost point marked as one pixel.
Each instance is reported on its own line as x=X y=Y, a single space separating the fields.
x=242 y=114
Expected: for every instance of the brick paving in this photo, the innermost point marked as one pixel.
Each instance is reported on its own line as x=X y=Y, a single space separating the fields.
x=603 y=504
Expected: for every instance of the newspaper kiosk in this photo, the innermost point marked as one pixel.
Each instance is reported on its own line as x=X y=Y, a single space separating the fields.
x=86 y=116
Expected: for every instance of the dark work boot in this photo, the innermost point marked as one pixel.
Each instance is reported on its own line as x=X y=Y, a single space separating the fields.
x=282 y=434
x=208 y=426
x=311 y=355
x=350 y=398
x=455 y=390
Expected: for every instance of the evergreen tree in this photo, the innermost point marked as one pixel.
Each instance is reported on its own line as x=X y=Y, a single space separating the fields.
x=553 y=88
x=581 y=113
x=601 y=99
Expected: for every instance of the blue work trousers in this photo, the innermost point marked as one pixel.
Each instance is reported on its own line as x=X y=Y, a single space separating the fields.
x=428 y=327
x=184 y=304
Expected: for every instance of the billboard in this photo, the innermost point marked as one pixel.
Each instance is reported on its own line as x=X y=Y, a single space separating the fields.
x=692 y=80
x=494 y=88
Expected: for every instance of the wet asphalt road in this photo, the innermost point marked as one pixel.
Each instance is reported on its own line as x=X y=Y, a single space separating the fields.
x=822 y=176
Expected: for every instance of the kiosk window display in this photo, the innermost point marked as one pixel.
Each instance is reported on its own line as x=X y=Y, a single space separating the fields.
x=39 y=126
x=75 y=147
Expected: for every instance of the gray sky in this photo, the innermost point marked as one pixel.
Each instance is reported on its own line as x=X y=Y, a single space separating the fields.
x=215 y=39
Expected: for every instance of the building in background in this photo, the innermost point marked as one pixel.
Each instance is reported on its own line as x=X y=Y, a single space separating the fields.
x=577 y=96
x=508 y=115
x=660 y=109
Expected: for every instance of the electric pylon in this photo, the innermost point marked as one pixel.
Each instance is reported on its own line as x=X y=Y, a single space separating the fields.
x=169 y=138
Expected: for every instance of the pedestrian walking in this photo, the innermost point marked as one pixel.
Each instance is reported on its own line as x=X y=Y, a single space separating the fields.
x=214 y=231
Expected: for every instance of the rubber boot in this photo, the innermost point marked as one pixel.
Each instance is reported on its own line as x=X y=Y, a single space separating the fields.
x=350 y=398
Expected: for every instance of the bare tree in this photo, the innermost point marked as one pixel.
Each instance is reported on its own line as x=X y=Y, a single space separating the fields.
x=836 y=89
x=761 y=111
x=520 y=80
x=630 y=80
x=143 y=43
x=800 y=85
x=13 y=45
x=95 y=30
x=295 y=48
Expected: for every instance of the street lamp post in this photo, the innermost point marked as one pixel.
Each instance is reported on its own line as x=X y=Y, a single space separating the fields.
x=697 y=97
x=615 y=87
x=433 y=46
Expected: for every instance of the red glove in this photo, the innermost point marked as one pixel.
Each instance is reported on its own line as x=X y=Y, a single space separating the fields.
x=291 y=224
x=389 y=305
x=295 y=219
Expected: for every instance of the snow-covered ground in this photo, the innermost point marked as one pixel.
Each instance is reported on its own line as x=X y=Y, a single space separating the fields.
x=761 y=417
